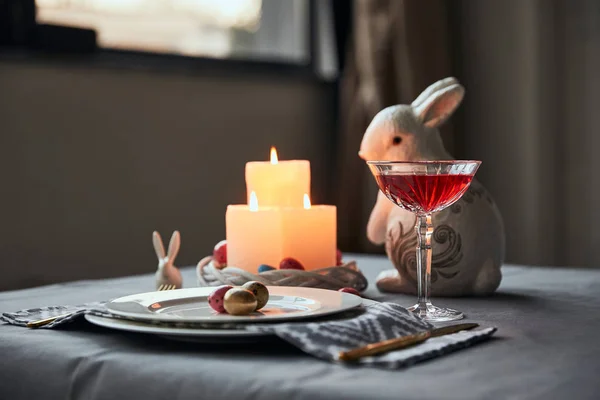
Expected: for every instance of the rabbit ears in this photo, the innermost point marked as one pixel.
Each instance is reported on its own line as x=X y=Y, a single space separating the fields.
x=437 y=103
x=173 y=245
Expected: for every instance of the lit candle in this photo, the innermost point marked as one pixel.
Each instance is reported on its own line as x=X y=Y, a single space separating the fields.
x=309 y=235
x=253 y=235
x=278 y=183
x=266 y=235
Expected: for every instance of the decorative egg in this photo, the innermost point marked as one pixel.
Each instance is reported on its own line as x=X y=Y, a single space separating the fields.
x=265 y=268
x=350 y=290
x=216 y=298
x=260 y=291
x=220 y=254
x=338 y=257
x=239 y=301
x=290 y=263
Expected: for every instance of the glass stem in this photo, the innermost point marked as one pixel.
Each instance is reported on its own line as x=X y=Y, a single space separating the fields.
x=424 y=228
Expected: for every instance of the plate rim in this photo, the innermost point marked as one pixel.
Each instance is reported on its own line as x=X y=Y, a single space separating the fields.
x=142 y=327
x=353 y=302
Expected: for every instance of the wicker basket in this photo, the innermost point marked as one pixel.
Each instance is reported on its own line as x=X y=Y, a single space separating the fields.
x=334 y=278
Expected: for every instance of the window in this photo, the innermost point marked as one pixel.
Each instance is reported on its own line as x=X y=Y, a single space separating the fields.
x=268 y=30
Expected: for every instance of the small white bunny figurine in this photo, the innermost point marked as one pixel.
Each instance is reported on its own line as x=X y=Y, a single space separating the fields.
x=167 y=273
x=468 y=240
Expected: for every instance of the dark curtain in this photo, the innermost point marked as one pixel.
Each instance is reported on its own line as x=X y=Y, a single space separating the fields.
x=396 y=49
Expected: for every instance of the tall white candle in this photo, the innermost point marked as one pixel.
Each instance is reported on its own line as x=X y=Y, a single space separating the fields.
x=278 y=183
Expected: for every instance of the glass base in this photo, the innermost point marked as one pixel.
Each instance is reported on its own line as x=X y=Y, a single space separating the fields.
x=431 y=313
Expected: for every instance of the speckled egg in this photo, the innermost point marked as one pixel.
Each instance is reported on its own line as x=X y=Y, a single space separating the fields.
x=220 y=254
x=265 y=268
x=239 y=301
x=260 y=291
x=291 y=263
x=350 y=290
x=216 y=298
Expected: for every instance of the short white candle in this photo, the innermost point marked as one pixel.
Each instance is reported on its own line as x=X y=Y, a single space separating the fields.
x=266 y=235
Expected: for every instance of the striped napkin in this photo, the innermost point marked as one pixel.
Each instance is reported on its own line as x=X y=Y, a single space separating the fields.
x=378 y=322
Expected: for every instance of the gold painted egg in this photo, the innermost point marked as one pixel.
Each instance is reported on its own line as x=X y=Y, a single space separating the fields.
x=239 y=301
x=260 y=291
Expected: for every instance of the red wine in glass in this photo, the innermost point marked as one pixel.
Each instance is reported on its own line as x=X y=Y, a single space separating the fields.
x=423 y=194
x=423 y=188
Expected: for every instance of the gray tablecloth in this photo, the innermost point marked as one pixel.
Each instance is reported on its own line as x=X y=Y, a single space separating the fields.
x=546 y=347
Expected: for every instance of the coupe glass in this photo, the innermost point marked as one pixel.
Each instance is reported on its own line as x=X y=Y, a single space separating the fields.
x=425 y=187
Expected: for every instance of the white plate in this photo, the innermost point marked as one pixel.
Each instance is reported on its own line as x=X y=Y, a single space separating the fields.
x=191 y=305
x=185 y=334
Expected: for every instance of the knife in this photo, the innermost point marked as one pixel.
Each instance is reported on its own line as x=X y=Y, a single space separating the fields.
x=46 y=321
x=401 y=342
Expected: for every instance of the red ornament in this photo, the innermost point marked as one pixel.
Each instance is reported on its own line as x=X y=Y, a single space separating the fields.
x=350 y=290
x=338 y=257
x=290 y=263
x=220 y=254
x=215 y=299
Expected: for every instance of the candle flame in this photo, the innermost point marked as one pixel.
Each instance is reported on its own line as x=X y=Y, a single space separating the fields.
x=253 y=201
x=306 y=202
x=274 y=159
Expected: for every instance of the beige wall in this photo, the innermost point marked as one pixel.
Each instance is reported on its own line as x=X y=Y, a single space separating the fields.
x=95 y=159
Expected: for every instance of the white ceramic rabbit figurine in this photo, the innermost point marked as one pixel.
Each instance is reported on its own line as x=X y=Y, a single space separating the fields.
x=167 y=273
x=468 y=246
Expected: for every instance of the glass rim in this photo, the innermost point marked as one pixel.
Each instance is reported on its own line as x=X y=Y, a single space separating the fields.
x=428 y=162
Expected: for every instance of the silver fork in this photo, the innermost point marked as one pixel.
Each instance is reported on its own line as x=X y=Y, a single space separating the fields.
x=46 y=321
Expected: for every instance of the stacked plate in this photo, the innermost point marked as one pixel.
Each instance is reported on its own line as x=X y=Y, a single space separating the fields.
x=185 y=314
